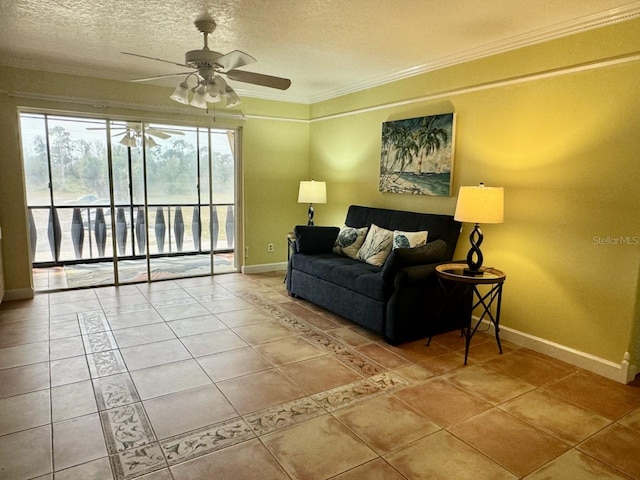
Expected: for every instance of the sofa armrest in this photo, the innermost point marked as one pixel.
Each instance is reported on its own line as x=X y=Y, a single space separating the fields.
x=415 y=274
x=399 y=258
x=313 y=239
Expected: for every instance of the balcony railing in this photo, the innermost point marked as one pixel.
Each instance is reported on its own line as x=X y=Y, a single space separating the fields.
x=68 y=234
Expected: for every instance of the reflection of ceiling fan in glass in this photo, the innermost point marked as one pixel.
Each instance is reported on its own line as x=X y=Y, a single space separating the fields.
x=132 y=133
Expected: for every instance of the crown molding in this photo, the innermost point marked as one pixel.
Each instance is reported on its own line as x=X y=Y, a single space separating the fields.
x=590 y=22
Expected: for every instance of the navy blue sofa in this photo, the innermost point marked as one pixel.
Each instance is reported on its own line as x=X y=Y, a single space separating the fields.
x=401 y=300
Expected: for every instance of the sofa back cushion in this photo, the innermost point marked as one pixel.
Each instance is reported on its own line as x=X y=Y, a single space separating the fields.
x=315 y=239
x=440 y=227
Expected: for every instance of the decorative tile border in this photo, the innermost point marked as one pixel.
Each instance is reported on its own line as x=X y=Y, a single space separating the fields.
x=138 y=461
x=345 y=354
x=106 y=363
x=285 y=415
x=359 y=391
x=111 y=312
x=99 y=342
x=115 y=391
x=126 y=428
x=214 y=296
x=93 y=322
x=175 y=303
x=206 y=440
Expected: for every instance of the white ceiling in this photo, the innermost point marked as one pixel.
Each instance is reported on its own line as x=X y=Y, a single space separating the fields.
x=326 y=47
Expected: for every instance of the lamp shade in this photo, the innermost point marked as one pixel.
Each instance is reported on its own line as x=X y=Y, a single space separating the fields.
x=312 y=192
x=480 y=204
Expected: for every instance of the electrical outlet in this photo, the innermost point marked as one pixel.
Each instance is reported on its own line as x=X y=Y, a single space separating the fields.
x=270 y=247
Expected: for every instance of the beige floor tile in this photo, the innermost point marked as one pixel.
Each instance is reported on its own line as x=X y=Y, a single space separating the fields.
x=151 y=354
x=317 y=449
x=377 y=469
x=259 y=390
x=117 y=301
x=154 y=332
x=442 y=402
x=488 y=384
x=616 y=445
x=262 y=332
x=576 y=465
x=64 y=329
x=418 y=351
x=187 y=410
x=165 y=295
x=233 y=363
x=25 y=411
x=99 y=469
x=158 y=286
x=17 y=334
x=632 y=420
x=532 y=369
x=26 y=454
x=195 y=325
x=319 y=374
x=72 y=400
x=414 y=373
x=226 y=305
x=25 y=354
x=66 y=347
x=508 y=441
x=598 y=394
x=24 y=379
x=383 y=356
x=349 y=337
x=385 y=423
x=69 y=370
x=442 y=456
x=212 y=342
x=71 y=296
x=77 y=441
x=243 y=317
x=552 y=415
x=177 y=312
x=133 y=319
x=246 y=461
x=444 y=363
x=170 y=378
x=288 y=350
x=74 y=307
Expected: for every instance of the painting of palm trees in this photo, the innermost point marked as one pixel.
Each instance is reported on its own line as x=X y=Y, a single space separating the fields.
x=417 y=155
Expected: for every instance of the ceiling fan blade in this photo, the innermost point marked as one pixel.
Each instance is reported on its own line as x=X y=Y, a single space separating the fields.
x=157 y=133
x=259 y=79
x=235 y=59
x=167 y=130
x=157 y=77
x=157 y=59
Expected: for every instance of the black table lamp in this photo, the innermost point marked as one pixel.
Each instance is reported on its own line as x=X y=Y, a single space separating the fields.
x=479 y=205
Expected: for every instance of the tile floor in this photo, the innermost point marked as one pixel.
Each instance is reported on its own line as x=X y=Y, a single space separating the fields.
x=229 y=378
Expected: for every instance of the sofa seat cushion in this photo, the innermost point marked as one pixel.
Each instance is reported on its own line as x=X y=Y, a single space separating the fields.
x=343 y=271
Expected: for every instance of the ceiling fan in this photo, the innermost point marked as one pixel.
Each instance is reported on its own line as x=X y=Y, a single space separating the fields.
x=207 y=66
x=132 y=133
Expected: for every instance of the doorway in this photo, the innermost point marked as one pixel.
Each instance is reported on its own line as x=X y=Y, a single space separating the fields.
x=114 y=202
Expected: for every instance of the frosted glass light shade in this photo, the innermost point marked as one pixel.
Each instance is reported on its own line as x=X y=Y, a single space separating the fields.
x=181 y=93
x=198 y=99
x=312 y=192
x=480 y=204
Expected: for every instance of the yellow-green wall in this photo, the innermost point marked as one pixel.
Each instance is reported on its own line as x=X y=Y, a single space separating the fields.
x=564 y=145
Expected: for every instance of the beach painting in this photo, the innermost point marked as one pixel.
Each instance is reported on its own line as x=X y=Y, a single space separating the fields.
x=417 y=155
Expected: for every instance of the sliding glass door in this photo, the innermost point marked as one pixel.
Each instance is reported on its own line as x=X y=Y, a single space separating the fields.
x=113 y=202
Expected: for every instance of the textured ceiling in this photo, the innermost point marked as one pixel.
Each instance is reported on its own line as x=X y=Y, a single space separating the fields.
x=326 y=47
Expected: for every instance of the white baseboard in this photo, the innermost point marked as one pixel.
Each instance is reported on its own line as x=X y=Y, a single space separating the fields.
x=624 y=372
x=18 y=294
x=263 y=268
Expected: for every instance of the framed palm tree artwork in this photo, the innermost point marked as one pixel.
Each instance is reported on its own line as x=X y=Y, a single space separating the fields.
x=417 y=155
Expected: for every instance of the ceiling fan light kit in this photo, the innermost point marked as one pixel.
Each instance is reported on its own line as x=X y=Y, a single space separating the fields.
x=208 y=66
